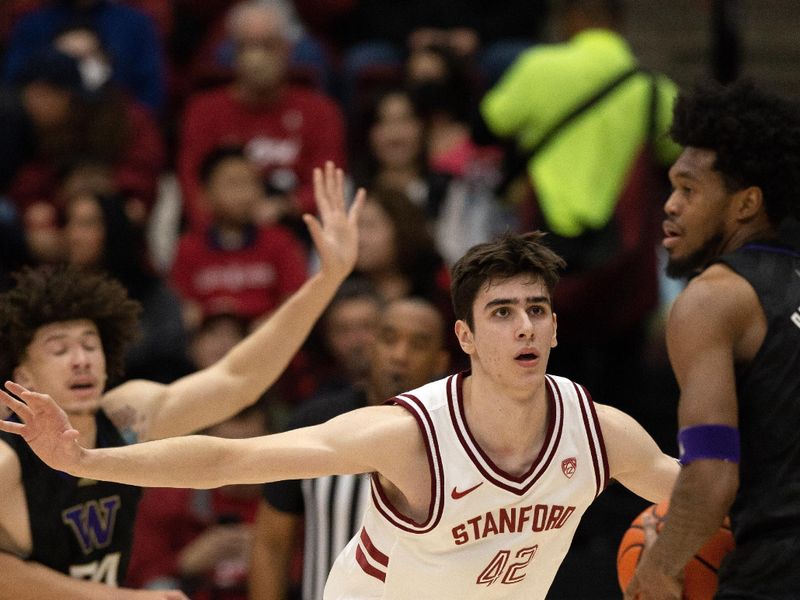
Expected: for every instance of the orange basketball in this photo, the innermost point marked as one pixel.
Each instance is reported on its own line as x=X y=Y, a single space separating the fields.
x=700 y=574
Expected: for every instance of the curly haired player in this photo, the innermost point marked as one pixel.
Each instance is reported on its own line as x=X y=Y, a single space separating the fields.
x=733 y=337
x=64 y=332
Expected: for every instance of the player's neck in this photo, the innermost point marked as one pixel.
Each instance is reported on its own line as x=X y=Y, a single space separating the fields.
x=510 y=430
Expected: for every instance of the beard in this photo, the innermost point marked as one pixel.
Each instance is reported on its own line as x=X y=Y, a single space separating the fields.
x=696 y=261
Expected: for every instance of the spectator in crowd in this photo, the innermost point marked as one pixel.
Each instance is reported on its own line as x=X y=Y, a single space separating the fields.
x=14 y=250
x=375 y=36
x=38 y=117
x=339 y=348
x=285 y=129
x=443 y=91
x=85 y=174
x=213 y=59
x=55 y=118
x=389 y=152
x=445 y=97
x=396 y=250
x=130 y=36
x=179 y=533
x=408 y=352
x=198 y=541
x=235 y=264
x=137 y=152
x=38 y=113
x=392 y=154
x=594 y=185
x=397 y=253
x=100 y=235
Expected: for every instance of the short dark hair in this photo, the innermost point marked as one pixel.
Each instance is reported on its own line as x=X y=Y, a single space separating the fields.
x=53 y=294
x=754 y=134
x=354 y=288
x=56 y=68
x=507 y=256
x=216 y=156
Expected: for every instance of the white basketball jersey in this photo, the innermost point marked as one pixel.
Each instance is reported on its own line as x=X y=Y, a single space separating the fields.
x=488 y=534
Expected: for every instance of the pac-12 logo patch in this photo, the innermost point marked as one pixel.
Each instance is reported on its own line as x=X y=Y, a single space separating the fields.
x=568 y=466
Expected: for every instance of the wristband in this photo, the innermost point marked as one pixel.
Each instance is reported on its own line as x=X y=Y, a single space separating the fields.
x=719 y=442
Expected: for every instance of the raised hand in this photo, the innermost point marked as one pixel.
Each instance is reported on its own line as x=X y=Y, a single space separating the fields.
x=43 y=425
x=335 y=233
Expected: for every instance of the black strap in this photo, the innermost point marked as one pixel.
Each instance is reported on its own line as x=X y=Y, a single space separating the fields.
x=581 y=108
x=519 y=165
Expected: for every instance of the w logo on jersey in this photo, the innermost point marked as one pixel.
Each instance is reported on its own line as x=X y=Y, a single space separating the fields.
x=93 y=522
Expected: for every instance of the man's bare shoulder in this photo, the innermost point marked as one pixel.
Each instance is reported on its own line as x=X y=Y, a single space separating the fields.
x=14 y=533
x=389 y=423
x=717 y=287
x=129 y=406
x=387 y=438
x=10 y=469
x=616 y=425
x=718 y=298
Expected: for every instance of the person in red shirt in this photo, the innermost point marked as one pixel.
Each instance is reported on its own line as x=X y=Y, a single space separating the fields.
x=199 y=540
x=235 y=265
x=285 y=129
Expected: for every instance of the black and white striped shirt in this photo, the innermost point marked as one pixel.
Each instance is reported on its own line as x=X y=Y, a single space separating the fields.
x=333 y=506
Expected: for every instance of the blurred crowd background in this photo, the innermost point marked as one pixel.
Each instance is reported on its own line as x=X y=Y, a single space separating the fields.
x=171 y=143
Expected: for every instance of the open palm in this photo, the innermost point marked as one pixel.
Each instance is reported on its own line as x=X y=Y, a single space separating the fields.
x=44 y=425
x=335 y=232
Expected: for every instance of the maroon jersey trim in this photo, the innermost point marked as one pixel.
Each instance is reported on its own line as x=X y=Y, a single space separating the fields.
x=367 y=567
x=518 y=485
x=376 y=554
x=436 y=506
x=594 y=437
x=599 y=436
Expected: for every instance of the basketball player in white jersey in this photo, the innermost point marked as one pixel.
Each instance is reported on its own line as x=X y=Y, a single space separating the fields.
x=479 y=479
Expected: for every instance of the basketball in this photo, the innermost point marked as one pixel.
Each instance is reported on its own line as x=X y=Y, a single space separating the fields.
x=700 y=574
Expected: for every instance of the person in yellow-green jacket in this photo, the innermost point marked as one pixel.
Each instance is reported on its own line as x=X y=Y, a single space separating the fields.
x=590 y=127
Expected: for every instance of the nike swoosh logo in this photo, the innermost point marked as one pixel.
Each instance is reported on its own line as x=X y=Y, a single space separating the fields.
x=797 y=272
x=456 y=495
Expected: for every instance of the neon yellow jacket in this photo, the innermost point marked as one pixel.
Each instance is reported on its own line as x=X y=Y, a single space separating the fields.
x=580 y=173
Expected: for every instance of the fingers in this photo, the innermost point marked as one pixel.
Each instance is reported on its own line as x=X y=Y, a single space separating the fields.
x=650 y=528
x=32 y=399
x=329 y=186
x=358 y=204
x=12 y=427
x=314 y=229
x=320 y=193
x=71 y=435
x=22 y=410
x=334 y=185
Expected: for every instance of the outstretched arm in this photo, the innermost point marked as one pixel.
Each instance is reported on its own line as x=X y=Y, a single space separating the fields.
x=379 y=438
x=238 y=379
x=634 y=459
x=703 y=326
